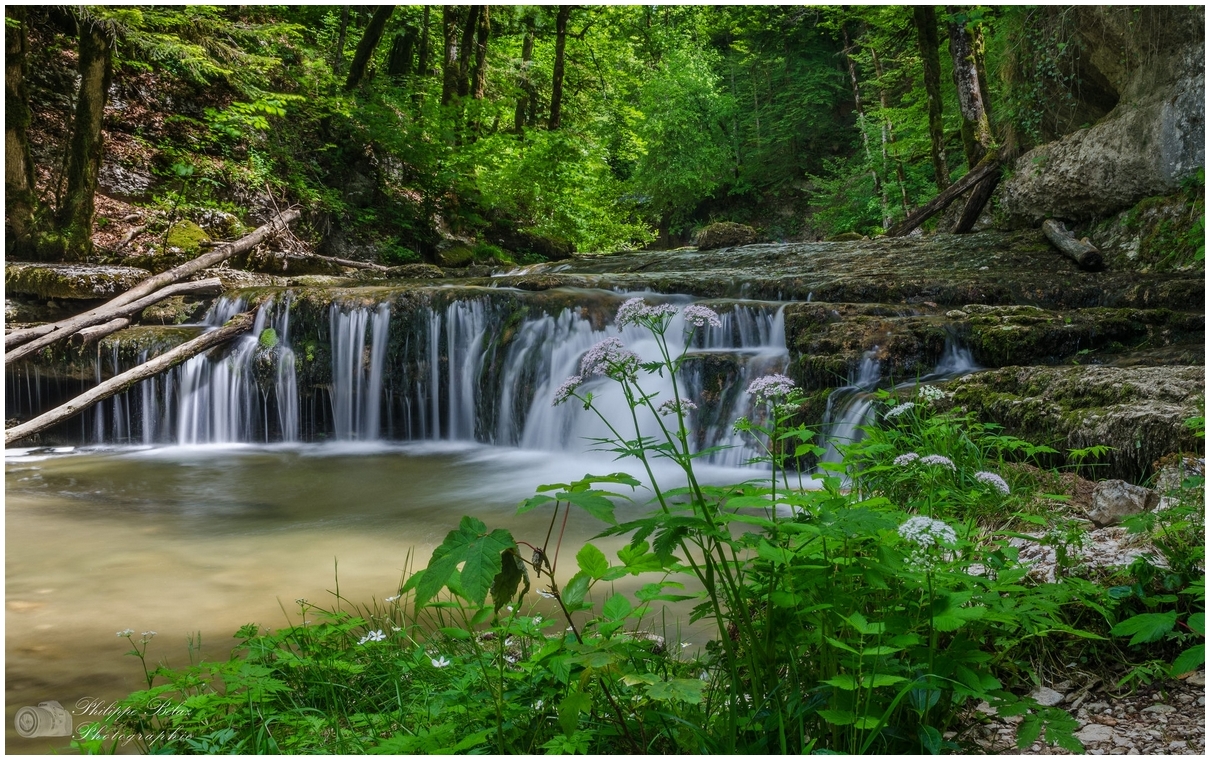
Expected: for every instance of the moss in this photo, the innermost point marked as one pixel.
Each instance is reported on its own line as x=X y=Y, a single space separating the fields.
x=186 y=237
x=70 y=281
x=268 y=338
x=456 y=257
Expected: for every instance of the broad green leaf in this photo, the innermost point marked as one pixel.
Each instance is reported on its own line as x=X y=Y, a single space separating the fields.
x=513 y=571
x=592 y=502
x=570 y=708
x=1197 y=623
x=1190 y=659
x=867 y=722
x=456 y=633
x=1150 y=626
x=617 y=607
x=879 y=680
x=533 y=503
x=677 y=690
x=592 y=561
x=838 y=717
x=774 y=554
x=480 y=552
x=576 y=588
x=845 y=681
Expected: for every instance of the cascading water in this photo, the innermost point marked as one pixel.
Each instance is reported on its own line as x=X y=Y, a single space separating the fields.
x=356 y=382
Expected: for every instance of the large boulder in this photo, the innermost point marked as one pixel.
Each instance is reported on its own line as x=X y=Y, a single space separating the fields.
x=525 y=242
x=725 y=235
x=70 y=281
x=1115 y=500
x=1152 y=139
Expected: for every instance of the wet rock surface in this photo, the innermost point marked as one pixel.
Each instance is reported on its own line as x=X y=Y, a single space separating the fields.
x=70 y=281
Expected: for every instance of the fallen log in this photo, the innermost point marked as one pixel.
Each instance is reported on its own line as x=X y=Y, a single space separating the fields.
x=985 y=168
x=68 y=327
x=975 y=203
x=345 y=262
x=155 y=282
x=238 y=324
x=1082 y=252
x=90 y=334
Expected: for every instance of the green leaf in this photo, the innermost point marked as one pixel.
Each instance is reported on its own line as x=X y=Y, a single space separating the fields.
x=617 y=607
x=478 y=552
x=592 y=561
x=512 y=572
x=1148 y=627
x=456 y=633
x=592 y=502
x=1190 y=659
x=844 y=681
x=879 y=680
x=570 y=708
x=774 y=554
x=1197 y=623
x=838 y=717
x=930 y=739
x=533 y=503
x=576 y=588
x=677 y=690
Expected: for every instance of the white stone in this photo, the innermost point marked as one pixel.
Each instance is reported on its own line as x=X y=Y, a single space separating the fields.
x=1047 y=697
x=1159 y=709
x=1095 y=732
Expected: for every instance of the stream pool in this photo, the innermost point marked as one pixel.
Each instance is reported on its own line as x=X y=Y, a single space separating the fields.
x=207 y=538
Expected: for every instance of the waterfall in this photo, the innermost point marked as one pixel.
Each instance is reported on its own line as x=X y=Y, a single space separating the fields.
x=356 y=378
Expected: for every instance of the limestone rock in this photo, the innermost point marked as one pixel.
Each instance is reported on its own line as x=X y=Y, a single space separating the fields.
x=456 y=257
x=1095 y=732
x=416 y=271
x=1047 y=697
x=523 y=242
x=1115 y=500
x=71 y=281
x=125 y=182
x=725 y=235
x=1172 y=471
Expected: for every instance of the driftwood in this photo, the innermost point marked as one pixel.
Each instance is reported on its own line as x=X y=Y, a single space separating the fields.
x=90 y=334
x=343 y=262
x=986 y=168
x=238 y=324
x=1080 y=251
x=131 y=235
x=155 y=282
x=68 y=327
x=975 y=203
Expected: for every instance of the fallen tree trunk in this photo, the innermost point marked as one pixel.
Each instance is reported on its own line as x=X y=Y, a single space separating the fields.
x=155 y=282
x=345 y=262
x=1080 y=251
x=983 y=170
x=975 y=203
x=238 y=324
x=102 y=314
x=90 y=334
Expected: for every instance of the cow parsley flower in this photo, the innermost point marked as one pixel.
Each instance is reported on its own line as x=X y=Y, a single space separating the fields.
x=993 y=480
x=939 y=460
x=931 y=393
x=635 y=312
x=126 y=633
x=392 y=599
x=569 y=386
x=770 y=387
x=898 y=410
x=372 y=636
x=697 y=315
x=672 y=407
x=927 y=532
x=903 y=460
x=610 y=358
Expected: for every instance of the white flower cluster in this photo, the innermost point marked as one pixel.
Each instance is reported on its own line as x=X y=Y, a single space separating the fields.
x=673 y=407
x=564 y=391
x=697 y=315
x=993 y=480
x=770 y=387
x=938 y=460
x=930 y=393
x=635 y=312
x=898 y=410
x=610 y=358
x=927 y=532
x=903 y=460
x=126 y=633
x=372 y=636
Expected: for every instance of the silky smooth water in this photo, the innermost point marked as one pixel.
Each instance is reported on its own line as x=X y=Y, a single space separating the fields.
x=208 y=538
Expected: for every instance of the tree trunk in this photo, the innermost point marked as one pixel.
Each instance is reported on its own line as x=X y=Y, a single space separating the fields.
x=422 y=59
x=980 y=195
x=865 y=139
x=147 y=287
x=449 y=61
x=976 y=129
x=556 y=88
x=339 y=63
x=45 y=335
x=399 y=65
x=73 y=220
x=888 y=138
x=525 y=103
x=926 y=36
x=482 y=32
x=237 y=325
x=365 y=47
x=464 y=51
x=989 y=165
x=20 y=197
x=1080 y=251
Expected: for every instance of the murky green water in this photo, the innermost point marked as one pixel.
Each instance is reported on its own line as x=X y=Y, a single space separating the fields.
x=178 y=540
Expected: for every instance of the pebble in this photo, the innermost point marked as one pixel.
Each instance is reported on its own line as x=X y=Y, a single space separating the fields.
x=1178 y=745
x=1159 y=709
x=1095 y=732
x=1047 y=697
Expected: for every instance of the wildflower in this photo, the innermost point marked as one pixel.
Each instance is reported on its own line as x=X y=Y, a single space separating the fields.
x=903 y=460
x=937 y=459
x=148 y=635
x=372 y=636
x=301 y=602
x=926 y=532
x=545 y=594
x=510 y=659
x=537 y=619
x=440 y=662
x=770 y=387
x=126 y=633
x=697 y=315
x=610 y=358
x=564 y=391
x=538 y=705
x=676 y=407
x=635 y=312
x=898 y=410
x=931 y=393
x=994 y=480
x=391 y=599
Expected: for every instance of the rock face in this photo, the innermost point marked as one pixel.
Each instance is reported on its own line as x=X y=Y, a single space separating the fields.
x=725 y=235
x=1152 y=139
x=1115 y=500
x=70 y=281
x=456 y=257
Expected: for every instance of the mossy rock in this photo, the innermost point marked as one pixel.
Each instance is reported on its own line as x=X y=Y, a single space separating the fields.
x=186 y=237
x=456 y=257
x=846 y=237
x=415 y=271
x=725 y=235
x=71 y=281
x=176 y=310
